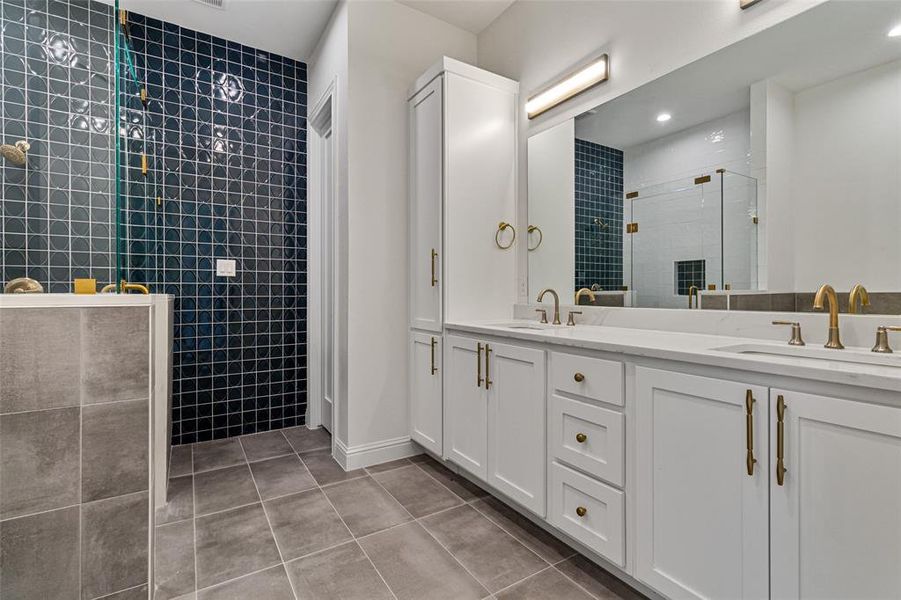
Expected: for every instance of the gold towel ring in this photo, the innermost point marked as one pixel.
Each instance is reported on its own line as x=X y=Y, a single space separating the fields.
x=531 y=230
x=502 y=226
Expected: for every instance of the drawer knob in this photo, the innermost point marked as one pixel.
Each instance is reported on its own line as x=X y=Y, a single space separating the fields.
x=579 y=377
x=581 y=511
x=581 y=437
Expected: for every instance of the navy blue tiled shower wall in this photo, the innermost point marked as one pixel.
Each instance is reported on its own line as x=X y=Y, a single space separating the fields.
x=599 y=216
x=225 y=134
x=56 y=91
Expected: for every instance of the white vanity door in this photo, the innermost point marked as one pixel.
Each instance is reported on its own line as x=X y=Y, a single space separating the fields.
x=426 y=192
x=516 y=424
x=465 y=405
x=701 y=519
x=836 y=518
x=426 y=418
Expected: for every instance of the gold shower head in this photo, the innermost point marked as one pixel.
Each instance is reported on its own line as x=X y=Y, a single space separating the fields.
x=15 y=153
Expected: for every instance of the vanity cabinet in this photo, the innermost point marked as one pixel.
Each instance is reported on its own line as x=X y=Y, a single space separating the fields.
x=494 y=416
x=702 y=508
x=836 y=511
x=426 y=370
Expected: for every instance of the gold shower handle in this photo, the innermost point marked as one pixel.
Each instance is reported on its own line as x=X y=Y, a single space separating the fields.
x=124 y=287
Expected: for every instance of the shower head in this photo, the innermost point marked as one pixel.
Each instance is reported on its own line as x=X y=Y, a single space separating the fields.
x=597 y=221
x=15 y=153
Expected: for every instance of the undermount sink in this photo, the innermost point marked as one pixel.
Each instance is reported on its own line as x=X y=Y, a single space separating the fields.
x=848 y=355
x=531 y=325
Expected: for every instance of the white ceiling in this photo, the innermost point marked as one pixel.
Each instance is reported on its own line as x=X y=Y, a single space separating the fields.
x=471 y=15
x=287 y=27
x=819 y=45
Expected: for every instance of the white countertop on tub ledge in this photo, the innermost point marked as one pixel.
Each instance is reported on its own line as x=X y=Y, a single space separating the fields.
x=695 y=348
x=76 y=300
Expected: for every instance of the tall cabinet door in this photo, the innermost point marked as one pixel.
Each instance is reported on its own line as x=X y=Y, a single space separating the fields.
x=426 y=192
x=465 y=405
x=426 y=418
x=516 y=423
x=701 y=517
x=836 y=515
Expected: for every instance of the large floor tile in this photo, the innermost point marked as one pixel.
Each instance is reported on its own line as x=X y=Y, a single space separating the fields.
x=326 y=469
x=304 y=523
x=456 y=483
x=341 y=573
x=39 y=555
x=217 y=454
x=181 y=461
x=550 y=584
x=174 y=555
x=365 y=506
x=233 y=543
x=281 y=476
x=180 y=501
x=261 y=446
x=416 y=567
x=417 y=491
x=304 y=439
x=223 y=489
x=492 y=555
x=271 y=584
x=534 y=537
x=389 y=466
x=596 y=580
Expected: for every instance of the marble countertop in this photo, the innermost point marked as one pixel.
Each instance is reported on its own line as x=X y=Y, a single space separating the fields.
x=704 y=349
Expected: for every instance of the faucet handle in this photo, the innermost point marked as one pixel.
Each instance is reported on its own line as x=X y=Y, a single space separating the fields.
x=570 y=320
x=796 y=340
x=882 y=345
x=543 y=314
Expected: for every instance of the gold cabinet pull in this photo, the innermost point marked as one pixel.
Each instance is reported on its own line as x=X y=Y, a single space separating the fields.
x=581 y=437
x=488 y=381
x=581 y=511
x=434 y=276
x=479 y=364
x=434 y=368
x=780 y=441
x=579 y=377
x=749 y=431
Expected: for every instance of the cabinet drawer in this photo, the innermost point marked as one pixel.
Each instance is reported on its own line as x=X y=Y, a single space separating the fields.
x=593 y=378
x=601 y=525
x=600 y=451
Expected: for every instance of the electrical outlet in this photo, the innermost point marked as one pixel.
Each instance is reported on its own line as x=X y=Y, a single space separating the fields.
x=225 y=267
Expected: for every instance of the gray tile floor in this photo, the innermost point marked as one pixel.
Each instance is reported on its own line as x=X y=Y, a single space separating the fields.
x=273 y=516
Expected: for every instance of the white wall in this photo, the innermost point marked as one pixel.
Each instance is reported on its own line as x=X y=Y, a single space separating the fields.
x=846 y=180
x=536 y=42
x=552 y=180
x=390 y=45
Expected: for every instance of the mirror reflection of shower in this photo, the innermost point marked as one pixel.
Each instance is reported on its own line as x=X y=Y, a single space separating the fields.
x=599 y=222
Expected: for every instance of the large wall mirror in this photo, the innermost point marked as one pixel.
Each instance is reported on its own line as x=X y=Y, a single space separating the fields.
x=742 y=181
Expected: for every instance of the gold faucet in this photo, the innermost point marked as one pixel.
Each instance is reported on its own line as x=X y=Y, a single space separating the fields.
x=826 y=291
x=584 y=292
x=692 y=293
x=858 y=294
x=556 y=303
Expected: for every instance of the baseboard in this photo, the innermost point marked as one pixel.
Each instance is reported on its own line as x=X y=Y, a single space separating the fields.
x=367 y=455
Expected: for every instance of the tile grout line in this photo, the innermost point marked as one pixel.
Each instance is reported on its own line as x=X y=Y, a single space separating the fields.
x=353 y=537
x=278 y=548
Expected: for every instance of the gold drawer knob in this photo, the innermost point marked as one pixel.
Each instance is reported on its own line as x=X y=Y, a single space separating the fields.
x=581 y=437
x=579 y=377
x=581 y=511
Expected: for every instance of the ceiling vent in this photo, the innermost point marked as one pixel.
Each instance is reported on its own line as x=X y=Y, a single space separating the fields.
x=220 y=4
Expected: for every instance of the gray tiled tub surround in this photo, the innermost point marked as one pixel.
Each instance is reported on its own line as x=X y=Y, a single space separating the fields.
x=74 y=451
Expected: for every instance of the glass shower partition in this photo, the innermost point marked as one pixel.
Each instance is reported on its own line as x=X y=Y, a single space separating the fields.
x=139 y=201
x=740 y=225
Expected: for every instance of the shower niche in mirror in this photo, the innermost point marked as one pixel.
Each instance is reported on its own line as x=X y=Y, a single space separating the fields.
x=744 y=180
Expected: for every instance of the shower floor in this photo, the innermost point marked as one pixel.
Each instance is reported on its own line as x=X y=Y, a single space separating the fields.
x=273 y=516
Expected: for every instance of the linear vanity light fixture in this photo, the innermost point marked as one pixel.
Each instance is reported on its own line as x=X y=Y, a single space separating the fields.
x=573 y=84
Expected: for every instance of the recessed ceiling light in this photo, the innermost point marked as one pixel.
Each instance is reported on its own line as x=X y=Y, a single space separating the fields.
x=895 y=31
x=664 y=117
